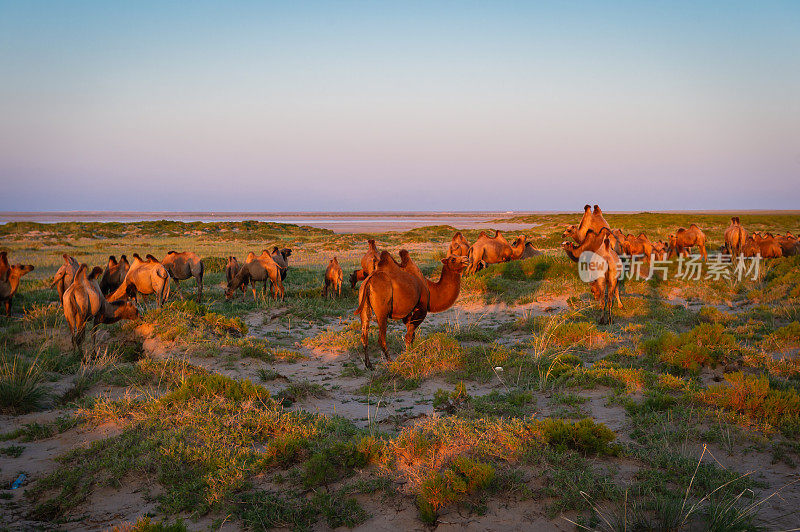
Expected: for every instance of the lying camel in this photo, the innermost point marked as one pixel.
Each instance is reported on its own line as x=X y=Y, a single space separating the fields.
x=84 y=301
x=145 y=278
x=637 y=245
x=766 y=247
x=735 y=237
x=333 y=278
x=596 y=243
x=528 y=250
x=281 y=256
x=260 y=268
x=590 y=220
x=114 y=274
x=789 y=244
x=182 y=266
x=65 y=275
x=493 y=250
x=368 y=264
x=9 y=280
x=459 y=247
x=231 y=269
x=393 y=292
x=682 y=241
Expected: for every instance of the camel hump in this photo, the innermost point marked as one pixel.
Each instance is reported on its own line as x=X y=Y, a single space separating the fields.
x=172 y=252
x=66 y=259
x=457 y=235
x=112 y=260
x=81 y=273
x=587 y=207
x=151 y=258
x=123 y=258
x=597 y=209
x=4 y=258
x=275 y=250
x=95 y=273
x=695 y=226
x=607 y=243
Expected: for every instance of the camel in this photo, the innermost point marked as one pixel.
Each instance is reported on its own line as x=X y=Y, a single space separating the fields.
x=145 y=278
x=442 y=294
x=84 y=301
x=368 y=264
x=766 y=247
x=65 y=275
x=637 y=245
x=114 y=274
x=231 y=269
x=789 y=244
x=660 y=250
x=493 y=250
x=333 y=278
x=9 y=279
x=459 y=247
x=528 y=249
x=605 y=287
x=595 y=243
x=182 y=266
x=735 y=236
x=682 y=241
x=260 y=268
x=393 y=292
x=281 y=256
x=589 y=220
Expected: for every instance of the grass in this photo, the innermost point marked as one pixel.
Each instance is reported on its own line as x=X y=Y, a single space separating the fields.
x=21 y=388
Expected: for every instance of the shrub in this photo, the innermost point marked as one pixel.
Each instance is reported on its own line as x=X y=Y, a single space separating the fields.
x=199 y=386
x=20 y=385
x=452 y=484
x=437 y=353
x=706 y=345
x=584 y=436
x=752 y=395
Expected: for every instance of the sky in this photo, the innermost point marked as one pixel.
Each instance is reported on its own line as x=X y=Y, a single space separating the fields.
x=332 y=106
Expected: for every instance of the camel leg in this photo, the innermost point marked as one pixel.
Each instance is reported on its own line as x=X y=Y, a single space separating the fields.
x=365 y=318
x=703 y=252
x=178 y=285
x=94 y=337
x=7 y=304
x=199 y=290
x=414 y=320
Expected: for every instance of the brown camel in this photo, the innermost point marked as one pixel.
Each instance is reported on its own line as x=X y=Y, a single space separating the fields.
x=596 y=243
x=660 y=250
x=493 y=250
x=281 y=257
x=84 y=301
x=605 y=287
x=114 y=274
x=789 y=244
x=260 y=268
x=393 y=292
x=65 y=275
x=682 y=241
x=637 y=245
x=182 y=266
x=144 y=277
x=444 y=292
x=333 y=278
x=9 y=279
x=735 y=236
x=528 y=250
x=590 y=220
x=231 y=269
x=368 y=264
x=459 y=247
x=766 y=247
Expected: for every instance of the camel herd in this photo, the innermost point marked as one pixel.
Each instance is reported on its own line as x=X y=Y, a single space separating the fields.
x=390 y=289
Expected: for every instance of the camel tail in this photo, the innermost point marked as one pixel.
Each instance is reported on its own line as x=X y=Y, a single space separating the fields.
x=364 y=299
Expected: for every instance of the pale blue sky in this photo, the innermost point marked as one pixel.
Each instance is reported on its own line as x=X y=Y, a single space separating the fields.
x=399 y=105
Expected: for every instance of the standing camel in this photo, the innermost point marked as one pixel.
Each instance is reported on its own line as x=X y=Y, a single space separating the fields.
x=65 y=275
x=281 y=257
x=258 y=268
x=114 y=274
x=682 y=241
x=735 y=237
x=182 y=266
x=368 y=264
x=9 y=280
x=403 y=293
x=83 y=301
x=145 y=278
x=333 y=278
x=593 y=220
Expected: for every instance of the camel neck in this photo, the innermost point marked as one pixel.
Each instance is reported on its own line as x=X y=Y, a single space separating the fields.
x=444 y=292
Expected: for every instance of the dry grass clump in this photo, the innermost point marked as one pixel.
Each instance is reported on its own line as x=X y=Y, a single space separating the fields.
x=632 y=379
x=708 y=344
x=21 y=388
x=435 y=354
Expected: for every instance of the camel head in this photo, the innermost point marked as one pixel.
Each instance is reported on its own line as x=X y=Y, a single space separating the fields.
x=286 y=252
x=125 y=310
x=455 y=264
x=353 y=279
x=19 y=270
x=570 y=232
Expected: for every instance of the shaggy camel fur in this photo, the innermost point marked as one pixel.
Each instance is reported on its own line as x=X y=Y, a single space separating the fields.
x=766 y=247
x=637 y=245
x=65 y=275
x=590 y=220
x=789 y=244
x=683 y=240
x=182 y=266
x=231 y=269
x=281 y=257
x=83 y=301
x=114 y=274
x=333 y=278
x=145 y=278
x=735 y=237
x=9 y=280
x=493 y=250
x=596 y=243
x=368 y=264
x=260 y=268
x=393 y=292
x=459 y=247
